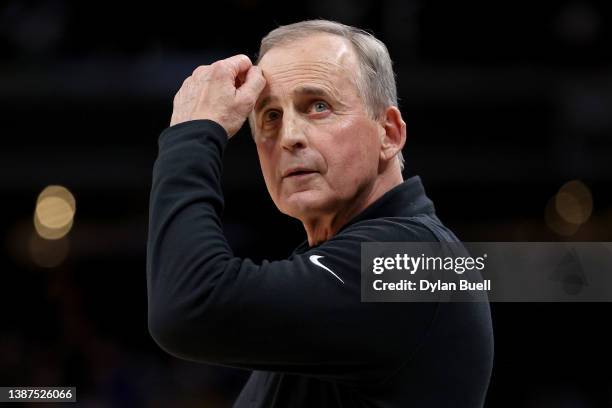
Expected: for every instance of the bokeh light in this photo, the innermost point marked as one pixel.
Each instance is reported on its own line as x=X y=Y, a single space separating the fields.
x=574 y=202
x=54 y=213
x=570 y=208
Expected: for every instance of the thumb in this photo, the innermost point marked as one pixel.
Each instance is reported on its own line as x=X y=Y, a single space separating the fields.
x=253 y=84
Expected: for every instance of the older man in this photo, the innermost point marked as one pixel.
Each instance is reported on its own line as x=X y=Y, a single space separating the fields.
x=322 y=108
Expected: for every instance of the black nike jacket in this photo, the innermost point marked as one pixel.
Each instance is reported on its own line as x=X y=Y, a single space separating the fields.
x=298 y=323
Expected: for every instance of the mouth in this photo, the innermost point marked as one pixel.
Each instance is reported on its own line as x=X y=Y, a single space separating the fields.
x=298 y=173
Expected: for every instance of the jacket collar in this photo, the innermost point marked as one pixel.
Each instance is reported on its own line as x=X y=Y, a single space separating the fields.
x=407 y=199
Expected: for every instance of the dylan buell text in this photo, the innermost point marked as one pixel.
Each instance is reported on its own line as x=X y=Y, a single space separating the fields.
x=414 y=264
x=424 y=285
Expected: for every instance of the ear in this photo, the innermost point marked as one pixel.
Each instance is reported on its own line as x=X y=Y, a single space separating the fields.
x=394 y=136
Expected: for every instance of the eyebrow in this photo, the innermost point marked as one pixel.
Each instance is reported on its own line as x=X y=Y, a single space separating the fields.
x=310 y=90
x=302 y=90
x=263 y=103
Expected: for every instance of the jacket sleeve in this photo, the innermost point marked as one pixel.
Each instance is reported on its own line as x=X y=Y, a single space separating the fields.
x=293 y=315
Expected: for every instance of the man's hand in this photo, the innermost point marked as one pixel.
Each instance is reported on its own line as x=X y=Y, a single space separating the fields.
x=225 y=92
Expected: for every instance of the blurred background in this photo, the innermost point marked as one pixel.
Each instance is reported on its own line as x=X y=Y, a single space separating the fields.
x=509 y=113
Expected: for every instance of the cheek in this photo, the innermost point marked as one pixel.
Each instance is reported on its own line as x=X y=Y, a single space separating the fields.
x=268 y=166
x=352 y=158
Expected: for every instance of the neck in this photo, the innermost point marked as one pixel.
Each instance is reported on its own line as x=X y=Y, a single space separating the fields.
x=324 y=227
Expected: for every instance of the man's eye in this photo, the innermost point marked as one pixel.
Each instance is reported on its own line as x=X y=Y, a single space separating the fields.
x=320 y=106
x=271 y=116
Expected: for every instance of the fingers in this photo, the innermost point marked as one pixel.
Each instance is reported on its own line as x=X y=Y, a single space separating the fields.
x=229 y=68
x=254 y=83
x=238 y=64
x=224 y=91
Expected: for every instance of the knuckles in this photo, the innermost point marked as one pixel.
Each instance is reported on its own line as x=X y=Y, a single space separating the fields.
x=202 y=69
x=219 y=69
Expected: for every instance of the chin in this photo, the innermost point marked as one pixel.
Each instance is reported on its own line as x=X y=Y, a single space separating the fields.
x=305 y=204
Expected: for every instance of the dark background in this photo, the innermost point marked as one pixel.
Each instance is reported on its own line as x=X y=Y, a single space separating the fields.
x=505 y=103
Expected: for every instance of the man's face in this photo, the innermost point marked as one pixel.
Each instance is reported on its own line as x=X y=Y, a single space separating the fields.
x=317 y=146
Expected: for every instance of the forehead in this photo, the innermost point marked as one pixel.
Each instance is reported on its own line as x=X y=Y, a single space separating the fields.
x=325 y=60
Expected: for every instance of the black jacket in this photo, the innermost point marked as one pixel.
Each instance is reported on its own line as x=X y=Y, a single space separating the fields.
x=300 y=326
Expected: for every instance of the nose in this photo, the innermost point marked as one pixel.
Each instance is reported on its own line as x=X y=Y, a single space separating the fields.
x=293 y=133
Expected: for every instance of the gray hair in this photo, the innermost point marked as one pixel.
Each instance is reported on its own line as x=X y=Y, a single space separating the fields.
x=375 y=80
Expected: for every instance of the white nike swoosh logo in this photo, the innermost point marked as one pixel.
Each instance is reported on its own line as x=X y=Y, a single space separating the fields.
x=315 y=260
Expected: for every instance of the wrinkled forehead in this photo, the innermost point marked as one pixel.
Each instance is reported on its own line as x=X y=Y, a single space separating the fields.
x=326 y=60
